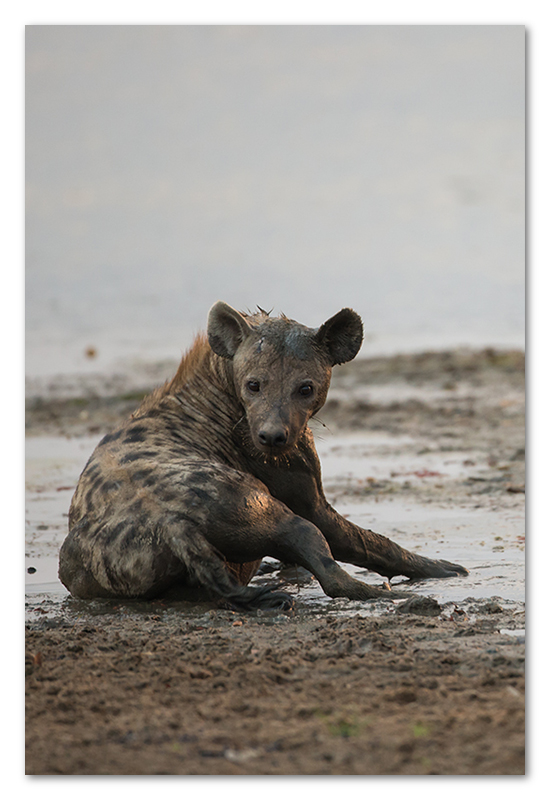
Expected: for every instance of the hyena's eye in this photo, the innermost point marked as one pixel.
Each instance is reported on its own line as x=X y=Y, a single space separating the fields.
x=306 y=390
x=253 y=386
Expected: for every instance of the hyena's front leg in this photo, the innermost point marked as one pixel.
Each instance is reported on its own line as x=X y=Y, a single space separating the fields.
x=299 y=541
x=302 y=491
x=246 y=522
x=364 y=548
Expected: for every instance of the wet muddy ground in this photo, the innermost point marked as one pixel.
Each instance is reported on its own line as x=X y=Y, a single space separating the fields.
x=426 y=449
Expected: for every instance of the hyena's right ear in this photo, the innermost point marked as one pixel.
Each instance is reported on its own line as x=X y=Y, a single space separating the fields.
x=226 y=329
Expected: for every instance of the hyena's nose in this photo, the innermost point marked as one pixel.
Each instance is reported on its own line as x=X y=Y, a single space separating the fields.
x=273 y=438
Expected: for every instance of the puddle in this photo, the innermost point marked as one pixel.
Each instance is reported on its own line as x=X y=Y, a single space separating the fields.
x=490 y=543
x=41 y=576
x=516 y=633
x=52 y=467
x=364 y=456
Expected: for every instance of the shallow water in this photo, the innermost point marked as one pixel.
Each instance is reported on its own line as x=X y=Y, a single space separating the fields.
x=488 y=541
x=302 y=168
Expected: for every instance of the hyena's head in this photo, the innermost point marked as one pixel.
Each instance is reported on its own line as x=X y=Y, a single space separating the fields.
x=281 y=369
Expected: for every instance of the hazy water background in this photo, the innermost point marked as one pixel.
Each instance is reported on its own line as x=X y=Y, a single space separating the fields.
x=301 y=168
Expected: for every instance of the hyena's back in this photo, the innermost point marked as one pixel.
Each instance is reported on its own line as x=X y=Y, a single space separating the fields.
x=138 y=516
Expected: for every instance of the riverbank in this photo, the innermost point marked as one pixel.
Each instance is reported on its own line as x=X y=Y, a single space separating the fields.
x=428 y=449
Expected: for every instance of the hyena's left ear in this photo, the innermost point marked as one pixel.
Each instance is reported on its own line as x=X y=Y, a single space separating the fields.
x=227 y=329
x=342 y=336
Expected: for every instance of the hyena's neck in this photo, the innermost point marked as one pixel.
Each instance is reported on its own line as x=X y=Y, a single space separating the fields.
x=200 y=399
x=209 y=391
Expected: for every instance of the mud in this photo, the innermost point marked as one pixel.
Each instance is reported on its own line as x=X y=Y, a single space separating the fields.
x=427 y=449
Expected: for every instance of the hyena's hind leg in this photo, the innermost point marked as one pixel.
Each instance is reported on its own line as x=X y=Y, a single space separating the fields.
x=123 y=560
x=207 y=568
x=152 y=561
x=76 y=575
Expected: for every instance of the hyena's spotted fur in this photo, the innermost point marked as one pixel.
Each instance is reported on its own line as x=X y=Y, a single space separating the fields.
x=218 y=469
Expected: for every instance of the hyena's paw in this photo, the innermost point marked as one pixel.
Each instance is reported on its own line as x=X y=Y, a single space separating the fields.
x=437 y=569
x=364 y=591
x=250 y=598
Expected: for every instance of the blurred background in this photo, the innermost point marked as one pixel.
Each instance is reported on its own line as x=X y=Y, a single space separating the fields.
x=300 y=168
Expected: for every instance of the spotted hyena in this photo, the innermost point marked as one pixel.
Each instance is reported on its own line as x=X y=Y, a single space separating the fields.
x=218 y=468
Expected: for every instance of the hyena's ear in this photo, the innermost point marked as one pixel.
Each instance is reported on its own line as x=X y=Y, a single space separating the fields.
x=226 y=329
x=342 y=336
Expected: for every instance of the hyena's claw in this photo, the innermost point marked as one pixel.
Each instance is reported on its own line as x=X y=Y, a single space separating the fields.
x=438 y=569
